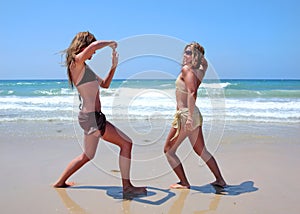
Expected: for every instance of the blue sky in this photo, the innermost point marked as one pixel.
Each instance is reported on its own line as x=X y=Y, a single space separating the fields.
x=257 y=39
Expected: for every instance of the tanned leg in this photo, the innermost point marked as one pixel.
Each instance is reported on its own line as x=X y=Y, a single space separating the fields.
x=170 y=152
x=197 y=141
x=117 y=137
x=90 y=147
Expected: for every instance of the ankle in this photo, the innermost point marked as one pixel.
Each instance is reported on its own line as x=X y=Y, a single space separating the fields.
x=126 y=184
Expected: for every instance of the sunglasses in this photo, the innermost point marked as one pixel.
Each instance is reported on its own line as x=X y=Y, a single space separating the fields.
x=189 y=53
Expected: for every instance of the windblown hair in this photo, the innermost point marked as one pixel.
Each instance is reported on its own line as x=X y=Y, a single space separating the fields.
x=80 y=41
x=197 y=54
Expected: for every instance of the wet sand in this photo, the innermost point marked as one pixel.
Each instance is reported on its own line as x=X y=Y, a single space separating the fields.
x=258 y=160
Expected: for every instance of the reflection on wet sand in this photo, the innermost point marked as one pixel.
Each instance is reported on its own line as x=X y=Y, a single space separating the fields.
x=126 y=206
x=177 y=207
x=71 y=205
x=212 y=206
x=179 y=202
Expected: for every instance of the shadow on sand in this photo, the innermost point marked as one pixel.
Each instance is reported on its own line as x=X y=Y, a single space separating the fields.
x=116 y=192
x=163 y=195
x=230 y=190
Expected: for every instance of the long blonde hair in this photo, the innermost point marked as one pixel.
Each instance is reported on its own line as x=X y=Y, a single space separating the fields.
x=197 y=54
x=79 y=42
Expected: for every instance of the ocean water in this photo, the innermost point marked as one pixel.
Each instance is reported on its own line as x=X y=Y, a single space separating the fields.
x=229 y=100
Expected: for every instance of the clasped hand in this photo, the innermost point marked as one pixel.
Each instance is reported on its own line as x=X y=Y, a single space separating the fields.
x=189 y=124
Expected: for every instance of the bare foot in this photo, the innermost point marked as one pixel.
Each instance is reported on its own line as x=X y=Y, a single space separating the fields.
x=64 y=185
x=179 y=185
x=131 y=190
x=221 y=184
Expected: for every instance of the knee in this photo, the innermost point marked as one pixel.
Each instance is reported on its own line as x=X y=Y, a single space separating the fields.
x=85 y=157
x=169 y=152
x=127 y=145
x=199 y=149
x=204 y=154
x=166 y=150
x=169 y=148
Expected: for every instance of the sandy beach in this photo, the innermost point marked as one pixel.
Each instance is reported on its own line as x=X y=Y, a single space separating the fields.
x=258 y=161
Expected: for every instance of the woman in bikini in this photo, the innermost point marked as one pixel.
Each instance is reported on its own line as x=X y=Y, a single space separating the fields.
x=188 y=120
x=90 y=117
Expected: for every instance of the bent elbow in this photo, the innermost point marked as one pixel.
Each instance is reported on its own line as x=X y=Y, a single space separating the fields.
x=105 y=86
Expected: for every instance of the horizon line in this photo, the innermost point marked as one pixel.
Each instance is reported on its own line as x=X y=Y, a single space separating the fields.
x=64 y=79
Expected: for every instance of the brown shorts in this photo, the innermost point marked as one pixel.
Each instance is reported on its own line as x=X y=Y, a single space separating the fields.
x=92 y=121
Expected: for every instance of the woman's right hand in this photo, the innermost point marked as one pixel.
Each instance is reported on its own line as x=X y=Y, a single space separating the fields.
x=113 y=45
x=189 y=124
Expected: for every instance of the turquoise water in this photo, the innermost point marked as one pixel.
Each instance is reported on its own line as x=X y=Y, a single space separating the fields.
x=237 y=100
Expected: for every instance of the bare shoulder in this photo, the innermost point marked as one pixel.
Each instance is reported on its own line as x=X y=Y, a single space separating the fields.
x=185 y=70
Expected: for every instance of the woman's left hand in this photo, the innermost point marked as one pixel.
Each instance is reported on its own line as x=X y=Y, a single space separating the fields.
x=115 y=58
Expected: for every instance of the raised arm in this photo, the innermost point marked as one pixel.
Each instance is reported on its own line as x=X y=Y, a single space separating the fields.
x=105 y=83
x=88 y=52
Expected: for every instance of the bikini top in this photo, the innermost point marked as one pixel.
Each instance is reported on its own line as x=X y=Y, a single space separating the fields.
x=88 y=76
x=180 y=85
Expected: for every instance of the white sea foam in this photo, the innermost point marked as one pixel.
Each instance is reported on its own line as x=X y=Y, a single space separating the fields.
x=136 y=101
x=148 y=104
x=215 y=85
